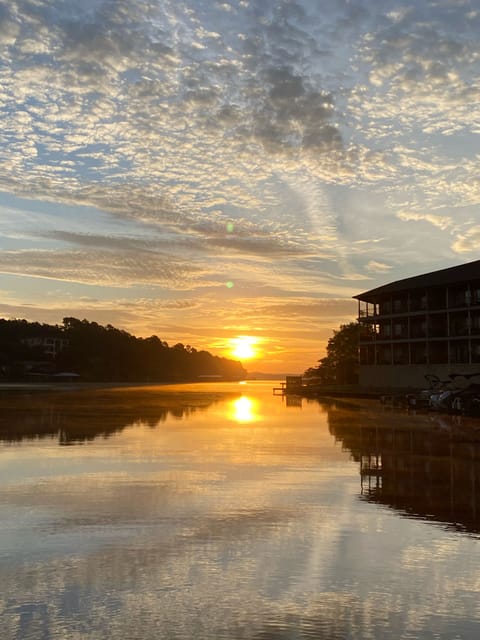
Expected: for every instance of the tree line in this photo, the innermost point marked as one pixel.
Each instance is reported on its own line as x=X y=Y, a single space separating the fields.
x=103 y=353
x=340 y=364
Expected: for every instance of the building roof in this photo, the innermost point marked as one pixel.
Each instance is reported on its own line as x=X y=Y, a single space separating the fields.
x=452 y=275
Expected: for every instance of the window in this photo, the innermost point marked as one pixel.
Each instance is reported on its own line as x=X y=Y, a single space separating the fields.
x=398 y=330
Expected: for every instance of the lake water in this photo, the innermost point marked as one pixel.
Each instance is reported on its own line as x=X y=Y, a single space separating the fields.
x=221 y=511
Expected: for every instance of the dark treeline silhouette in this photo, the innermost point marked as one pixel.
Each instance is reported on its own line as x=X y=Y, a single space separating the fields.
x=102 y=353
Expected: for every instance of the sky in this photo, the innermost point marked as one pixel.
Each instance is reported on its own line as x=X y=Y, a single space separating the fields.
x=204 y=170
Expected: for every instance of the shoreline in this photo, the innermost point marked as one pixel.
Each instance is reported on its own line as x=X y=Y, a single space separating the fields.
x=80 y=386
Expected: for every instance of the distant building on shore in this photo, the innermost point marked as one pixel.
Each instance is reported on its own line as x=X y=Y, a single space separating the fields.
x=50 y=345
x=428 y=325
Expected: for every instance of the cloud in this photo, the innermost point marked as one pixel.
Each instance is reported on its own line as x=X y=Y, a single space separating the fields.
x=198 y=239
x=116 y=243
x=120 y=87
x=303 y=311
x=291 y=115
x=80 y=122
x=119 y=269
x=467 y=242
x=411 y=116
x=9 y=28
x=378 y=267
x=442 y=222
x=121 y=92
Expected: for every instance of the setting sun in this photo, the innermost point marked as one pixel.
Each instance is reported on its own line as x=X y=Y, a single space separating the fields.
x=243 y=347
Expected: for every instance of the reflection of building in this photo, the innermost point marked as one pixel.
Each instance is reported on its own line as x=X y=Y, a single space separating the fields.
x=428 y=324
x=414 y=464
x=293 y=401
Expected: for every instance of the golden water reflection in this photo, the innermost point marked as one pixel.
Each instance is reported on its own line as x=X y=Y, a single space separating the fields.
x=169 y=516
x=244 y=409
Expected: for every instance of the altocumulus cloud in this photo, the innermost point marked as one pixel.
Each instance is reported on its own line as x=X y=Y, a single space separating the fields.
x=295 y=148
x=139 y=97
x=470 y=241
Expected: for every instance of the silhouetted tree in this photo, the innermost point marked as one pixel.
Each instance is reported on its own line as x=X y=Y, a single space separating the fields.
x=340 y=365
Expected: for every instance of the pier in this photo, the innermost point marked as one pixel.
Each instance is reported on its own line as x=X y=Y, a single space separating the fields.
x=292 y=384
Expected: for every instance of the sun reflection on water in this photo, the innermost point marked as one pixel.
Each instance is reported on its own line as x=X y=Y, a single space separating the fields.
x=244 y=409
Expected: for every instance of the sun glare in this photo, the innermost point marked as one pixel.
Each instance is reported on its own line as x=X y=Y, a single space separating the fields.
x=243 y=347
x=243 y=410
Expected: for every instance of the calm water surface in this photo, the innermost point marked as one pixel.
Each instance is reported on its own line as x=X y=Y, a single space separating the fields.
x=221 y=511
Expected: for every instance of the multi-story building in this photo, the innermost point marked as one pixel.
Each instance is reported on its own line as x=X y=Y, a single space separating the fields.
x=50 y=345
x=428 y=325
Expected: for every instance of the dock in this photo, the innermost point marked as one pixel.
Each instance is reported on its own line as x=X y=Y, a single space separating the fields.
x=292 y=385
